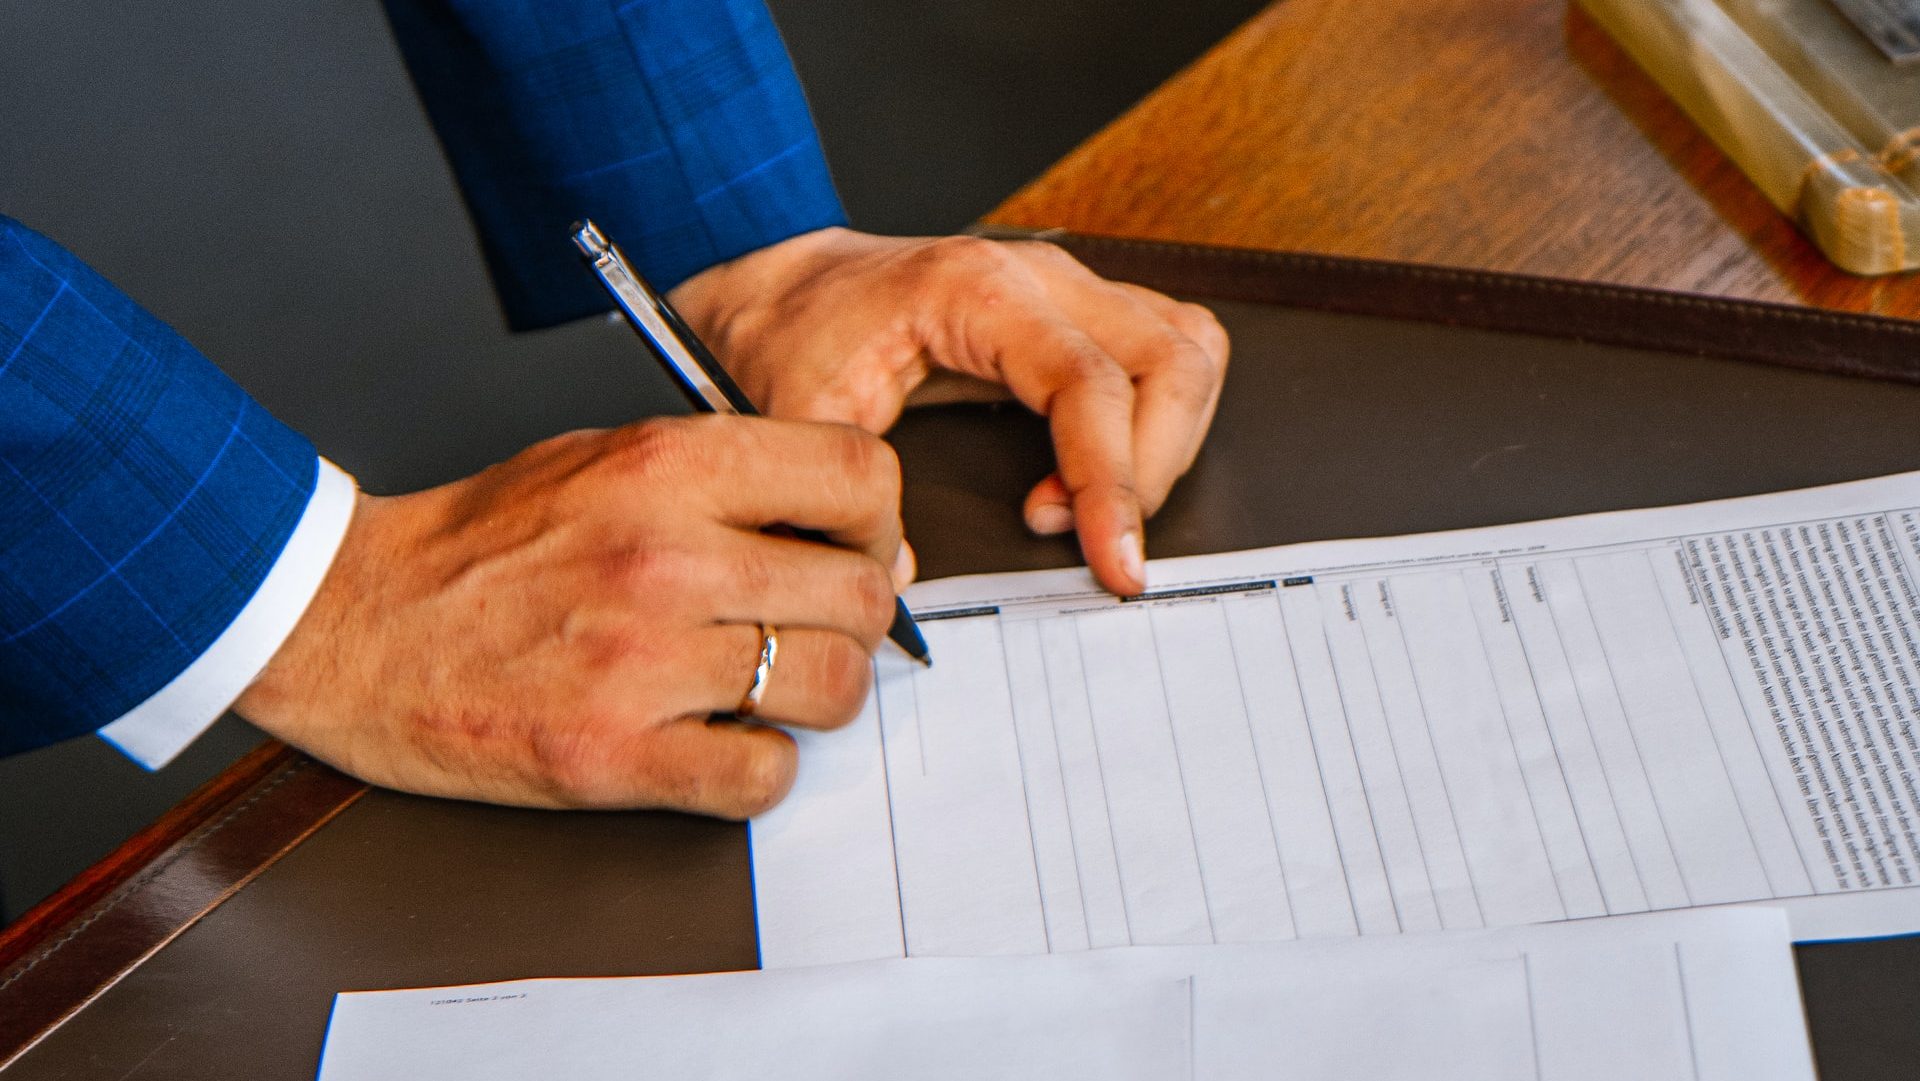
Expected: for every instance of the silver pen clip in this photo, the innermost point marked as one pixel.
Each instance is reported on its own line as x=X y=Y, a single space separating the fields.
x=647 y=313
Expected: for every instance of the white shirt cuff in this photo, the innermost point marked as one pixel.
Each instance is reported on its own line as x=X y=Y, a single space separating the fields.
x=158 y=729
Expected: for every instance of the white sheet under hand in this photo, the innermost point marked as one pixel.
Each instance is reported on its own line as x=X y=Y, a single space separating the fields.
x=1618 y=713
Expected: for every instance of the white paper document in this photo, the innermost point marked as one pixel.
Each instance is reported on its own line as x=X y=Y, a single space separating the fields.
x=1698 y=996
x=942 y=1020
x=1618 y=713
x=1690 y=996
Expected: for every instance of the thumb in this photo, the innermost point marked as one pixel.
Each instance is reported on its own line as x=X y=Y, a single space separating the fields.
x=1049 y=509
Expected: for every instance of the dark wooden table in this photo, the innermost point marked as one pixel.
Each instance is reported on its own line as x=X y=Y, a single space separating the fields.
x=1508 y=135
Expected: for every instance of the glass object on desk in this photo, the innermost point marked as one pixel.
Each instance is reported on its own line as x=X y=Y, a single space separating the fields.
x=1823 y=122
x=1894 y=25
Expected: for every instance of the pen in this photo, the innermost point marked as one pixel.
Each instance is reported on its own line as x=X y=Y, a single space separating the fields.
x=706 y=384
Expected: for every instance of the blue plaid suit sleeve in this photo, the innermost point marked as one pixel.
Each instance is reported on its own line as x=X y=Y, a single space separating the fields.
x=143 y=497
x=678 y=125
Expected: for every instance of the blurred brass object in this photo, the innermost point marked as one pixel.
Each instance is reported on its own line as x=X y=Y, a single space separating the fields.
x=1823 y=123
x=1894 y=25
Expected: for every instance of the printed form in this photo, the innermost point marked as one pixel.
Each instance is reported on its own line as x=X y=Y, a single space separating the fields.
x=1609 y=714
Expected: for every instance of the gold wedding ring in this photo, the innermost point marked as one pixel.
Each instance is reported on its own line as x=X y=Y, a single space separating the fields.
x=769 y=651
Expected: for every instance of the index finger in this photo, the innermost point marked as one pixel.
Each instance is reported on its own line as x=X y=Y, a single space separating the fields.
x=1088 y=399
x=1175 y=353
x=754 y=472
x=1176 y=378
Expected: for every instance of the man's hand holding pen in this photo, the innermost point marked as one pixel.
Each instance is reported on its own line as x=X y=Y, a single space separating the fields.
x=556 y=631
x=562 y=629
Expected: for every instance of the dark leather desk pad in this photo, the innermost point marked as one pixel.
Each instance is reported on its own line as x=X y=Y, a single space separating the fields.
x=1333 y=425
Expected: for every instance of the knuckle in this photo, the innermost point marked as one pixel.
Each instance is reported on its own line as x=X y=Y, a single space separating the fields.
x=1099 y=376
x=569 y=762
x=846 y=673
x=566 y=445
x=753 y=573
x=1203 y=328
x=1113 y=491
x=1193 y=377
x=670 y=449
x=982 y=273
x=650 y=569
x=599 y=647
x=1041 y=251
x=968 y=253
x=1054 y=260
x=870 y=465
x=653 y=449
x=855 y=452
x=874 y=600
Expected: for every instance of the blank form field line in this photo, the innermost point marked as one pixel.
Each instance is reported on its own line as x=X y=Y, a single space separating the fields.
x=1366 y=796
x=1446 y=788
x=1633 y=737
x=1099 y=766
x=1393 y=751
x=1313 y=741
x=1513 y=747
x=1533 y=1019
x=1686 y=1012
x=919 y=729
x=1060 y=766
x=1180 y=769
x=1026 y=790
x=1600 y=760
x=1553 y=742
x=893 y=838
x=1259 y=768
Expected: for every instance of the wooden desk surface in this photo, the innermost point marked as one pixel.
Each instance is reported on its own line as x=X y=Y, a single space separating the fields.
x=1494 y=134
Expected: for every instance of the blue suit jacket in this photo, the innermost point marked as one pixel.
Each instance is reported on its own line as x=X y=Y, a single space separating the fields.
x=144 y=496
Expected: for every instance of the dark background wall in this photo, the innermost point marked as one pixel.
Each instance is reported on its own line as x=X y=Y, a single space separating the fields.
x=258 y=174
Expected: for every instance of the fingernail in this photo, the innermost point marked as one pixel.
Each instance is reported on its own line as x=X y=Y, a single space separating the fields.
x=1132 y=559
x=1050 y=519
x=905 y=566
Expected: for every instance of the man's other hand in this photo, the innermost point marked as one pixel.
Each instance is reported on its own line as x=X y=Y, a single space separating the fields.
x=557 y=630
x=843 y=326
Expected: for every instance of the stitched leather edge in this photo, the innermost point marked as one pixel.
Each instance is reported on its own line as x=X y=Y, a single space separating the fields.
x=258 y=824
x=1818 y=339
